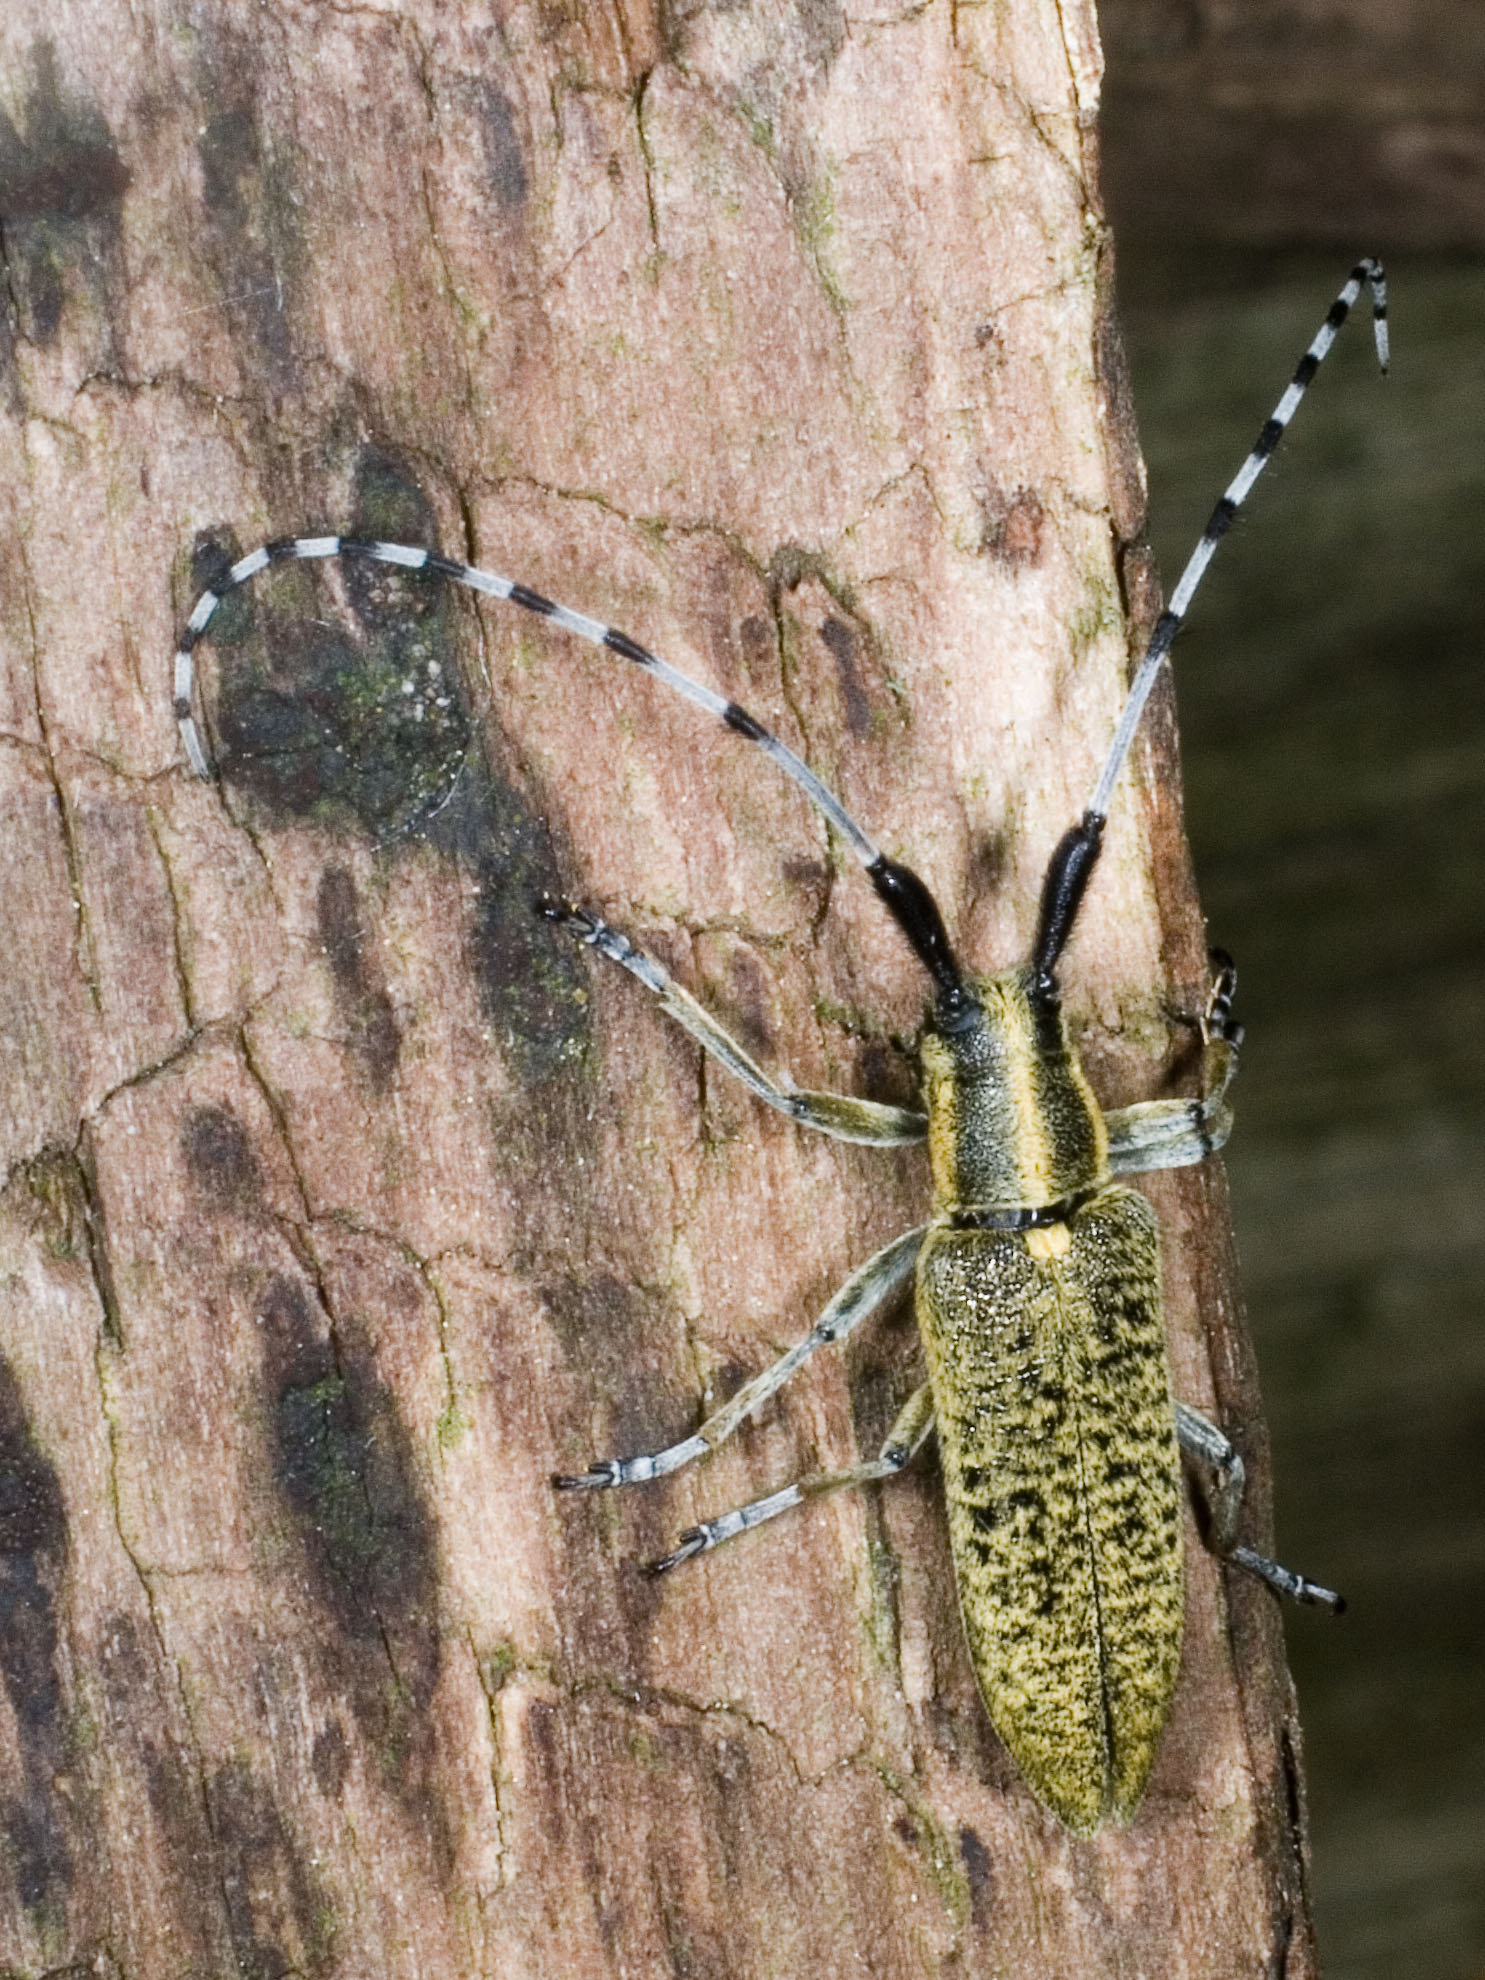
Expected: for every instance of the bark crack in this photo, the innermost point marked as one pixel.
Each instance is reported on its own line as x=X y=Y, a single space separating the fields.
x=177 y=924
x=278 y=1114
x=108 y=1341
x=142 y=1075
x=654 y=1698
x=96 y=1232
x=423 y=69
x=492 y=1681
x=12 y=300
x=936 y=1851
x=84 y=947
x=647 y=166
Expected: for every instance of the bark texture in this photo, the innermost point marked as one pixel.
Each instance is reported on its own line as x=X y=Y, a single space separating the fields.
x=343 y=1201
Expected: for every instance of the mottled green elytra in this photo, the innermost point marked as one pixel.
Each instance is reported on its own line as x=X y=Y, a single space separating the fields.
x=1037 y=1277
x=1056 y=1431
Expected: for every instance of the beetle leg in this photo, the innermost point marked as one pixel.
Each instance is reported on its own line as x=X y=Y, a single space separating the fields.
x=1205 y=1444
x=1173 y=1134
x=834 y=1114
x=1226 y=1477
x=1284 y=1581
x=1166 y=1134
x=862 y=1293
x=904 y=1440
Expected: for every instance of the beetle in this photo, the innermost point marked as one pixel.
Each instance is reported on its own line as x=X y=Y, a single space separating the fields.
x=1037 y=1276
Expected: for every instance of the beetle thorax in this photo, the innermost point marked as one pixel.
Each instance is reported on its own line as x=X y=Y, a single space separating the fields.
x=1012 y=1121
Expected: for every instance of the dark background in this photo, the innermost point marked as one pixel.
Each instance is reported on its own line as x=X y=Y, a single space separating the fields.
x=1332 y=700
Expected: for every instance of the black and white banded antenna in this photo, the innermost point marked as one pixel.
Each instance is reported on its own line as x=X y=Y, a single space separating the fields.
x=901 y=891
x=1073 y=861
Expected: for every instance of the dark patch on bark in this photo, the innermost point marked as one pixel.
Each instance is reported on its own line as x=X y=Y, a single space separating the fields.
x=845 y=633
x=567 y=1813
x=1014 y=527
x=360 y=990
x=505 y=164
x=128 y=1672
x=992 y=862
x=175 y=1794
x=757 y=636
x=279 y=1918
x=811 y=876
x=62 y=183
x=33 y=1558
x=220 y=1159
x=369 y=728
x=824 y=26
x=882 y=1373
x=540 y=1735
x=343 y=1461
x=886 y=1074
x=67 y=168
x=604 y=1327
x=717 y=1763
x=840 y=643
x=747 y=1017
x=980 y=1872
x=389 y=505
x=615 y=1338
x=317 y=723
x=532 y=982
x=728 y=1377
x=36 y=1849
x=313 y=724
x=731 y=1773
x=254 y=241
x=331 y=1759
x=134 y=1686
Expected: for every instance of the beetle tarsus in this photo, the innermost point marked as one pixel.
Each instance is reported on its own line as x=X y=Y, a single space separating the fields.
x=1284 y=1581
x=691 y=1543
x=602 y=1475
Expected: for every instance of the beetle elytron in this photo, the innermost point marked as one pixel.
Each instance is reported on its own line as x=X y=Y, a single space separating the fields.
x=1037 y=1277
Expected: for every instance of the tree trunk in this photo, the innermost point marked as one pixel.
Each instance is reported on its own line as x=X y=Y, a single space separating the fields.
x=345 y=1201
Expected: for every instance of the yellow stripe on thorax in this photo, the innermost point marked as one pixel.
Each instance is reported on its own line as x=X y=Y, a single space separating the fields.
x=1012 y=1121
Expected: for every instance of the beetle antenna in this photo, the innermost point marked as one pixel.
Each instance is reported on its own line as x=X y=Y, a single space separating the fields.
x=900 y=890
x=1072 y=862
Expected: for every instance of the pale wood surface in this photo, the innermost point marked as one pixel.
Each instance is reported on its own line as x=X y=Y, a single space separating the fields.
x=343 y=1203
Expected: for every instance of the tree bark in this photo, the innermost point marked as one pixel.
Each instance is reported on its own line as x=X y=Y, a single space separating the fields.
x=344 y=1201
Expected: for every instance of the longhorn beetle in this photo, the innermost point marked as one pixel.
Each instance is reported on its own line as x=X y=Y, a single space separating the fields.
x=1037 y=1277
